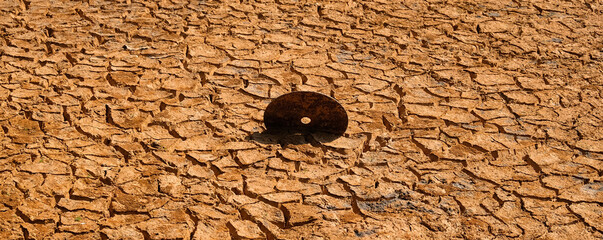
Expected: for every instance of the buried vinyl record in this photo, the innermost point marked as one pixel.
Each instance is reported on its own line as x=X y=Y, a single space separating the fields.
x=306 y=112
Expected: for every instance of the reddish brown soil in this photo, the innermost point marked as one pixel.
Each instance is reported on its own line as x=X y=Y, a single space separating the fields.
x=137 y=120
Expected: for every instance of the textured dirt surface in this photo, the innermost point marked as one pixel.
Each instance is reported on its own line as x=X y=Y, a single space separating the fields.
x=139 y=120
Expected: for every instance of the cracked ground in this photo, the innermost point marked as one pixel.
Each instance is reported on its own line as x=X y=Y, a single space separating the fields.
x=143 y=120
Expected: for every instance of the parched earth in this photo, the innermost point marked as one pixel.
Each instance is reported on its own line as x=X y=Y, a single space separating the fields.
x=143 y=120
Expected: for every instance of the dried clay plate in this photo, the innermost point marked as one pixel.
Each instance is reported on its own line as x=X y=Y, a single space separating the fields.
x=306 y=112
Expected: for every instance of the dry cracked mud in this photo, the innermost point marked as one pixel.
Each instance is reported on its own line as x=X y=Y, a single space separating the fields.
x=142 y=119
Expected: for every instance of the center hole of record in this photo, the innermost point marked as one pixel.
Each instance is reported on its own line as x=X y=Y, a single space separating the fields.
x=306 y=120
